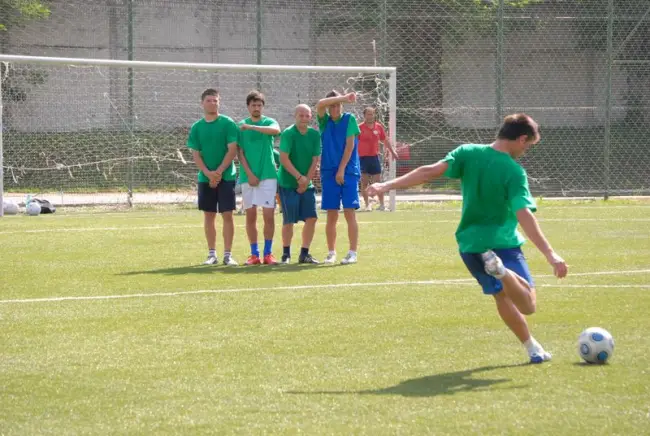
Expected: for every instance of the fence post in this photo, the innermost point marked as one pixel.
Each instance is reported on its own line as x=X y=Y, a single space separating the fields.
x=608 y=96
x=499 y=63
x=131 y=114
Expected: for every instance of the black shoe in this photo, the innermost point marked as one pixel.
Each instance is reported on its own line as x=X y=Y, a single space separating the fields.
x=308 y=259
x=286 y=260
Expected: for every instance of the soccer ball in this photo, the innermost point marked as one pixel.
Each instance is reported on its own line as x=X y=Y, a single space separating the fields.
x=33 y=208
x=595 y=345
x=9 y=208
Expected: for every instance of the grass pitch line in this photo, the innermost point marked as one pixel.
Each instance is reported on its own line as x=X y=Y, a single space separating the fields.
x=464 y=282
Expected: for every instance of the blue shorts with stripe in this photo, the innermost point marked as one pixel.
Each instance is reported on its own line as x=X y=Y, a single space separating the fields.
x=512 y=258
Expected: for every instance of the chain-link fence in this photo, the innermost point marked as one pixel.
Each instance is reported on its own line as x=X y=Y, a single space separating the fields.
x=581 y=68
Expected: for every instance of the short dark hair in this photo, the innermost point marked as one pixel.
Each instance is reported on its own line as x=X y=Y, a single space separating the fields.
x=209 y=91
x=333 y=93
x=517 y=125
x=255 y=96
x=367 y=108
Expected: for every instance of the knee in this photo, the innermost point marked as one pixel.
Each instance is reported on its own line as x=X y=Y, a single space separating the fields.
x=528 y=308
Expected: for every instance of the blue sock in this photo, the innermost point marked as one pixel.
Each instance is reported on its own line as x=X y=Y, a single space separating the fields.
x=255 y=251
x=267 y=246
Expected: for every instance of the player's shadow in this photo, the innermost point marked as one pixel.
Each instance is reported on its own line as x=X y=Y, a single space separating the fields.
x=433 y=385
x=221 y=269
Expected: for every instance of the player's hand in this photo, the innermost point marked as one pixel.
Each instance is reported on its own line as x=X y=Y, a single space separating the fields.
x=213 y=183
x=301 y=189
x=253 y=180
x=217 y=175
x=376 y=188
x=351 y=97
x=303 y=182
x=340 y=177
x=395 y=155
x=560 y=268
x=244 y=127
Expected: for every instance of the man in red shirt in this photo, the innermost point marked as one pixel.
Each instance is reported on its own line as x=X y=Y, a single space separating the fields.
x=372 y=133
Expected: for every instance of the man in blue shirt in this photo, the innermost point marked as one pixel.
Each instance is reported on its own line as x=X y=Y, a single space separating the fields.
x=339 y=170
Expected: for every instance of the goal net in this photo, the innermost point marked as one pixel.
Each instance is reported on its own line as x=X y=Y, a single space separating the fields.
x=91 y=131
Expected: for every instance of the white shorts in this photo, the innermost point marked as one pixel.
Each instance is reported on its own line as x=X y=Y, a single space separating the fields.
x=261 y=195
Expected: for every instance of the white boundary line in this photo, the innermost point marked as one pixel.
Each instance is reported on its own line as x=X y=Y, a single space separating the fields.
x=465 y=282
x=198 y=226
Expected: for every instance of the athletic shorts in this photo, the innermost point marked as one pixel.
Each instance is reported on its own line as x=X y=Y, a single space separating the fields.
x=512 y=258
x=334 y=194
x=261 y=195
x=370 y=165
x=220 y=199
x=297 y=207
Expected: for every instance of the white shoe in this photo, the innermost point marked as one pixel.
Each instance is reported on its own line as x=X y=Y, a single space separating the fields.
x=493 y=264
x=539 y=356
x=349 y=258
x=211 y=260
x=230 y=261
x=331 y=258
x=368 y=207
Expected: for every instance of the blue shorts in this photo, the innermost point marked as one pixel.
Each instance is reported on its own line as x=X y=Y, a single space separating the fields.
x=335 y=194
x=370 y=165
x=297 y=207
x=512 y=258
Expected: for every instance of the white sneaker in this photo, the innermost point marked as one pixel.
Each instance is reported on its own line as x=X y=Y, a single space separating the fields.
x=493 y=264
x=331 y=258
x=368 y=207
x=539 y=356
x=211 y=260
x=230 y=261
x=349 y=258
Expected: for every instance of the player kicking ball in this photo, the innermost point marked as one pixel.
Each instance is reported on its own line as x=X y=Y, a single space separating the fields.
x=495 y=198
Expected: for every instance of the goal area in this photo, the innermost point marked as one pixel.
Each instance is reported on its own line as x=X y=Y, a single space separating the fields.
x=98 y=131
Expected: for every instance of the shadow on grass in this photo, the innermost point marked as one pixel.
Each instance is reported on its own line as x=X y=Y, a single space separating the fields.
x=433 y=385
x=222 y=269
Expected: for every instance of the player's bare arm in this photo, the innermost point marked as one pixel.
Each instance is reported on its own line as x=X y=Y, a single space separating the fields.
x=291 y=169
x=227 y=160
x=416 y=177
x=347 y=154
x=532 y=229
x=252 y=179
x=323 y=104
x=266 y=130
x=198 y=160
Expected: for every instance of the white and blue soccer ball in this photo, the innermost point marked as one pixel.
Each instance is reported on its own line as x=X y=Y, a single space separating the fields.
x=595 y=345
x=9 y=208
x=33 y=208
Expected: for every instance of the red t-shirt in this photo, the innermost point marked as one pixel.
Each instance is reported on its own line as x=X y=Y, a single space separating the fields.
x=369 y=139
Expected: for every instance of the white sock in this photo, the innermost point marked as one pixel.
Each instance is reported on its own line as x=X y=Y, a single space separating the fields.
x=532 y=345
x=332 y=253
x=352 y=253
x=212 y=252
x=226 y=254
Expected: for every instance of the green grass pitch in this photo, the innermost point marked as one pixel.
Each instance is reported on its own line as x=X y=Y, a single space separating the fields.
x=109 y=326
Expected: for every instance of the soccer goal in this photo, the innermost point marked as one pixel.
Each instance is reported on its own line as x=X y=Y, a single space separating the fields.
x=96 y=131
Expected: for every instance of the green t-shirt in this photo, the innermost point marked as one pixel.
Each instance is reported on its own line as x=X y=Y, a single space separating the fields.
x=258 y=150
x=494 y=188
x=301 y=150
x=211 y=139
x=353 y=127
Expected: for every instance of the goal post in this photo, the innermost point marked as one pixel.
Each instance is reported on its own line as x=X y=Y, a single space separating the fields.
x=98 y=131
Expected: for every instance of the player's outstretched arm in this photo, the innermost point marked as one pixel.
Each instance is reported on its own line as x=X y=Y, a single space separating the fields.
x=416 y=177
x=323 y=103
x=531 y=227
x=266 y=130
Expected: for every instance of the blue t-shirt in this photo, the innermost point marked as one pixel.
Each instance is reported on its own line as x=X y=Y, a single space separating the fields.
x=333 y=139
